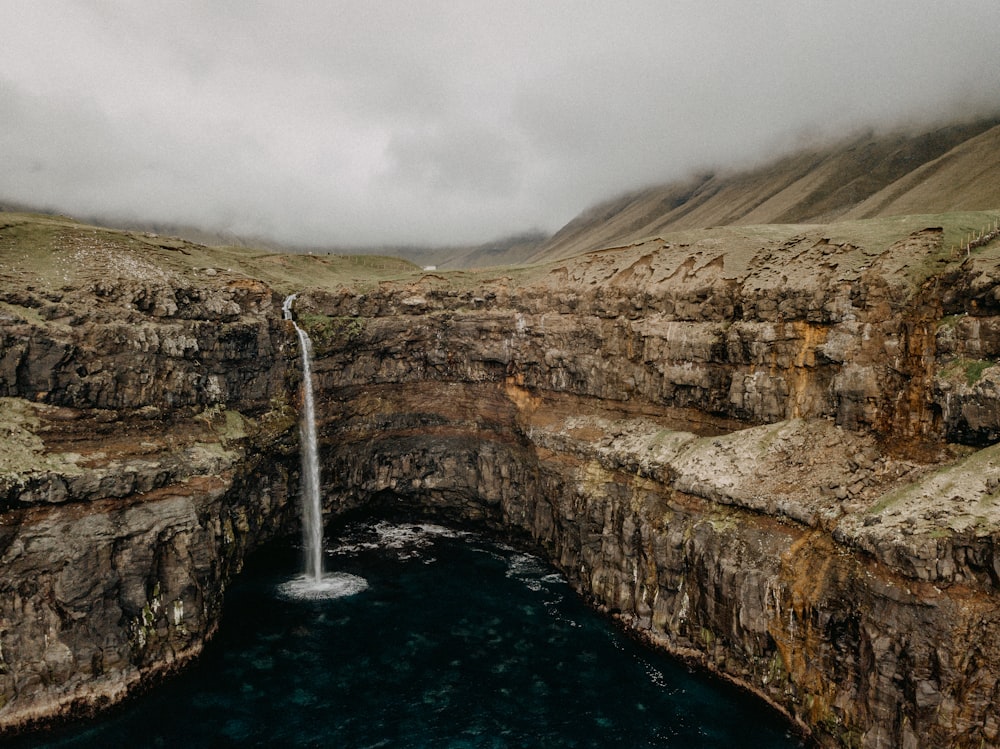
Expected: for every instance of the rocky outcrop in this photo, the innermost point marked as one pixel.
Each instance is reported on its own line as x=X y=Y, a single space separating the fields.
x=147 y=447
x=700 y=546
x=806 y=328
x=772 y=456
x=115 y=560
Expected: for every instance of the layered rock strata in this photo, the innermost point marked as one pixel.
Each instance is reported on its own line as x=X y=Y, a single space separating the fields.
x=146 y=448
x=773 y=459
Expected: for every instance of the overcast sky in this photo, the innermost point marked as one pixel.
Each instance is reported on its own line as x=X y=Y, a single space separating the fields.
x=446 y=121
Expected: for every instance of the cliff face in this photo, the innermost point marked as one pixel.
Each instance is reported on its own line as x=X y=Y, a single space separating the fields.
x=146 y=448
x=772 y=455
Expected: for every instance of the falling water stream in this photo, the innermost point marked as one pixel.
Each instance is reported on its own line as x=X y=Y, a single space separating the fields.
x=313 y=583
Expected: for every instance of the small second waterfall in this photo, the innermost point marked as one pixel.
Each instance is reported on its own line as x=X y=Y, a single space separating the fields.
x=313 y=582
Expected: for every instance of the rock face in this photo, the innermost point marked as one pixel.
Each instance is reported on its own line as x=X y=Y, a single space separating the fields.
x=146 y=448
x=775 y=458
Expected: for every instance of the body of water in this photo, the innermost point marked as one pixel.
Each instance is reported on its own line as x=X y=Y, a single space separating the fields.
x=454 y=642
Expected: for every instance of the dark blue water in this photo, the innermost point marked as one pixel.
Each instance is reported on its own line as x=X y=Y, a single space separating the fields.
x=456 y=642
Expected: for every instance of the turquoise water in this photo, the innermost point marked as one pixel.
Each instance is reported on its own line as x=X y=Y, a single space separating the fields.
x=455 y=642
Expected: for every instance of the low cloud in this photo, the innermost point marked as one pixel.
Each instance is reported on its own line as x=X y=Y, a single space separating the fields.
x=347 y=123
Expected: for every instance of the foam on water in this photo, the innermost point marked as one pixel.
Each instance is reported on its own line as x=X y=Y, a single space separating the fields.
x=330 y=585
x=529 y=569
x=407 y=540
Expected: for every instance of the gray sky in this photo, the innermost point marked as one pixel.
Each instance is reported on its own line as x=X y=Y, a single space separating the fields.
x=447 y=121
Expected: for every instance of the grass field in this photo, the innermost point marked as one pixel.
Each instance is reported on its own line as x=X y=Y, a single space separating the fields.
x=51 y=252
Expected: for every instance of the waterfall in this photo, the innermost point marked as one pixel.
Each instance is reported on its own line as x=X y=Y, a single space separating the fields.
x=313 y=583
x=312 y=514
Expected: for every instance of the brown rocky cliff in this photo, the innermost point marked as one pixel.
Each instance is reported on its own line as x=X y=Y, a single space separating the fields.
x=773 y=457
x=755 y=460
x=147 y=447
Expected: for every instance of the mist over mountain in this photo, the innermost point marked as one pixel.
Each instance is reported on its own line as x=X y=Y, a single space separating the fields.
x=440 y=124
x=871 y=175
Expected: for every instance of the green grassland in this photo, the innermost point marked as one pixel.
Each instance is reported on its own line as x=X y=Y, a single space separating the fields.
x=53 y=252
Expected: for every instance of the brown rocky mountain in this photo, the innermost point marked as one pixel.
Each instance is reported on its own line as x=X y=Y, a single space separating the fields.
x=871 y=175
x=771 y=446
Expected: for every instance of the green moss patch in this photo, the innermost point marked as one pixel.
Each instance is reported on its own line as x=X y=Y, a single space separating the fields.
x=327 y=331
x=968 y=370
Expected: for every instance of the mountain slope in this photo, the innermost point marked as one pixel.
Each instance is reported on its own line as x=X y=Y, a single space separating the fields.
x=965 y=178
x=871 y=175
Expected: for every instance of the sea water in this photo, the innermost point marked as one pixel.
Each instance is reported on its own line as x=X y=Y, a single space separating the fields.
x=453 y=641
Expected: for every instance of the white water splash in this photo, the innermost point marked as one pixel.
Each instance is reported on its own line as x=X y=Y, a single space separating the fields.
x=330 y=585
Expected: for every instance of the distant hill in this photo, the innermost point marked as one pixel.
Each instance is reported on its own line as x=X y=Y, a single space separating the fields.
x=950 y=168
x=513 y=249
x=504 y=251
